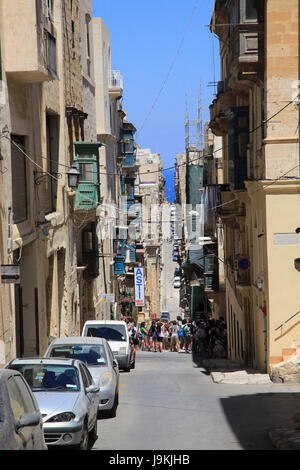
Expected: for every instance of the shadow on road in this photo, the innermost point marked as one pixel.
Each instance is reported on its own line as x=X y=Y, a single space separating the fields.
x=252 y=416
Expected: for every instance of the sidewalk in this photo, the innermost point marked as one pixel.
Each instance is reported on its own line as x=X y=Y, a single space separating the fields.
x=224 y=371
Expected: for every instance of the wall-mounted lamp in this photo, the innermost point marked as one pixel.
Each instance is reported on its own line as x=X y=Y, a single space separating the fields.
x=73 y=177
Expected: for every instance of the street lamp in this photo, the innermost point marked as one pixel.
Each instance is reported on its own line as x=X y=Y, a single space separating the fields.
x=73 y=177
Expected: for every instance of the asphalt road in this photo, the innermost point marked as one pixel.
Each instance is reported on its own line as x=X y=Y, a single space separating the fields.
x=168 y=402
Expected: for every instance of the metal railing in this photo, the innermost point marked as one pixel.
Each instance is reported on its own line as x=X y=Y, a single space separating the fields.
x=116 y=79
x=280 y=326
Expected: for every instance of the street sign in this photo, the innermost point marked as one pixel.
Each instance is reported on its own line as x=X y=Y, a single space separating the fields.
x=108 y=298
x=10 y=274
x=139 y=287
x=244 y=264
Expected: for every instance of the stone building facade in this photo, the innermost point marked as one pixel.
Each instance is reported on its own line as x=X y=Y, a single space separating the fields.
x=257 y=116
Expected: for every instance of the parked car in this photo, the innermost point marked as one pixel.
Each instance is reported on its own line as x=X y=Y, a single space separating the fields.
x=21 y=422
x=177 y=272
x=116 y=333
x=98 y=357
x=67 y=397
x=177 y=282
x=165 y=316
x=175 y=257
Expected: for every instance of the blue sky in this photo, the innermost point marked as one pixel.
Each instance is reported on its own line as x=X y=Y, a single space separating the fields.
x=145 y=39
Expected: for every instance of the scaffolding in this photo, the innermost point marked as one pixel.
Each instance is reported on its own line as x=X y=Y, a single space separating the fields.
x=194 y=133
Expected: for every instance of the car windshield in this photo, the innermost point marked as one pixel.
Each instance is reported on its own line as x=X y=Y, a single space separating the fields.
x=89 y=353
x=49 y=377
x=109 y=332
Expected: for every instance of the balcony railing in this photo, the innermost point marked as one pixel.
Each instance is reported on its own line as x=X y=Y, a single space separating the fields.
x=116 y=84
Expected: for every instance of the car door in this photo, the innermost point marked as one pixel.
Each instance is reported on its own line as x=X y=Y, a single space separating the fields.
x=92 y=398
x=31 y=407
x=114 y=368
x=19 y=408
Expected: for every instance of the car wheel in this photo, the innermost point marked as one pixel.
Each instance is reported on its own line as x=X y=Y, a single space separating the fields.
x=93 y=435
x=84 y=443
x=113 y=411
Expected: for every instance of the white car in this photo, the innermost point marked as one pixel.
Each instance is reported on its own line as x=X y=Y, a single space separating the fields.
x=116 y=333
x=177 y=282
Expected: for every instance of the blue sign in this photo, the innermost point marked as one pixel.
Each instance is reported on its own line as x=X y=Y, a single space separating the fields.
x=139 y=287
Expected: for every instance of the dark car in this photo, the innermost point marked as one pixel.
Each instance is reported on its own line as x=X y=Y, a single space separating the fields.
x=177 y=272
x=21 y=424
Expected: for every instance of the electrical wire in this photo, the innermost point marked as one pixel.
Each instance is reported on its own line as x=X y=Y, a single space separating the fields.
x=182 y=164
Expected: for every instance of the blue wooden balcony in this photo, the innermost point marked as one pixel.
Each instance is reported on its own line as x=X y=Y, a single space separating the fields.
x=129 y=161
x=119 y=266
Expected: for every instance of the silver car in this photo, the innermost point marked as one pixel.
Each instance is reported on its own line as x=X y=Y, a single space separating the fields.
x=21 y=423
x=98 y=357
x=67 y=397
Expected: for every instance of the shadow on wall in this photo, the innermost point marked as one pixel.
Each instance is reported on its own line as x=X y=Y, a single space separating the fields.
x=252 y=416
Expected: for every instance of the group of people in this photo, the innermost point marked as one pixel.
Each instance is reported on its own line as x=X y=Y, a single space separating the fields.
x=204 y=337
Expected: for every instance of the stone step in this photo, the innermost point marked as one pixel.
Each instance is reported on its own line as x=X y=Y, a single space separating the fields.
x=288 y=353
x=275 y=360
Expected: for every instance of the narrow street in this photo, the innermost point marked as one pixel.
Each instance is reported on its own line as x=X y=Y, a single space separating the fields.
x=170 y=403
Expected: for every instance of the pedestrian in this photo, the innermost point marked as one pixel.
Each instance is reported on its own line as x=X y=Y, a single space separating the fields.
x=133 y=332
x=166 y=336
x=181 y=334
x=174 y=329
x=200 y=337
x=151 y=332
x=160 y=335
x=144 y=337
x=187 y=337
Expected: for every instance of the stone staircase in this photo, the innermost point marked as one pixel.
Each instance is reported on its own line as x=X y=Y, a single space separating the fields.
x=286 y=368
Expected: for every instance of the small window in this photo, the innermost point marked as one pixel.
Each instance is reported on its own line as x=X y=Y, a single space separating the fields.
x=15 y=399
x=26 y=396
x=84 y=376
x=251 y=13
x=86 y=173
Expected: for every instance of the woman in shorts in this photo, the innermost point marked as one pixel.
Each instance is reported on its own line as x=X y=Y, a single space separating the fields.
x=174 y=337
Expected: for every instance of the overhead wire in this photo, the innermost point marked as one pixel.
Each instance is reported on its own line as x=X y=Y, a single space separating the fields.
x=171 y=67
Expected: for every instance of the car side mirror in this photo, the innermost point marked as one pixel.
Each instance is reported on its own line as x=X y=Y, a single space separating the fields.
x=92 y=389
x=26 y=420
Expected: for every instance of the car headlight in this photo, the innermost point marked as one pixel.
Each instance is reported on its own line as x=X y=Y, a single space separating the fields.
x=62 y=417
x=105 y=379
x=122 y=350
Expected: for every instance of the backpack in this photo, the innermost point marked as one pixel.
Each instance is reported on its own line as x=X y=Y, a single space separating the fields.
x=186 y=330
x=181 y=333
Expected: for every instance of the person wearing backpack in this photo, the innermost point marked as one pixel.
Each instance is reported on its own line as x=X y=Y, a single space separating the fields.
x=181 y=336
x=187 y=338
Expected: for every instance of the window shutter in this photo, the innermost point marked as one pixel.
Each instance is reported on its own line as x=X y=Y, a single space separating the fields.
x=19 y=193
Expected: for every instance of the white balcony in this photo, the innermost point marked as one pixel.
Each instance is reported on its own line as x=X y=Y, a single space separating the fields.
x=116 y=84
